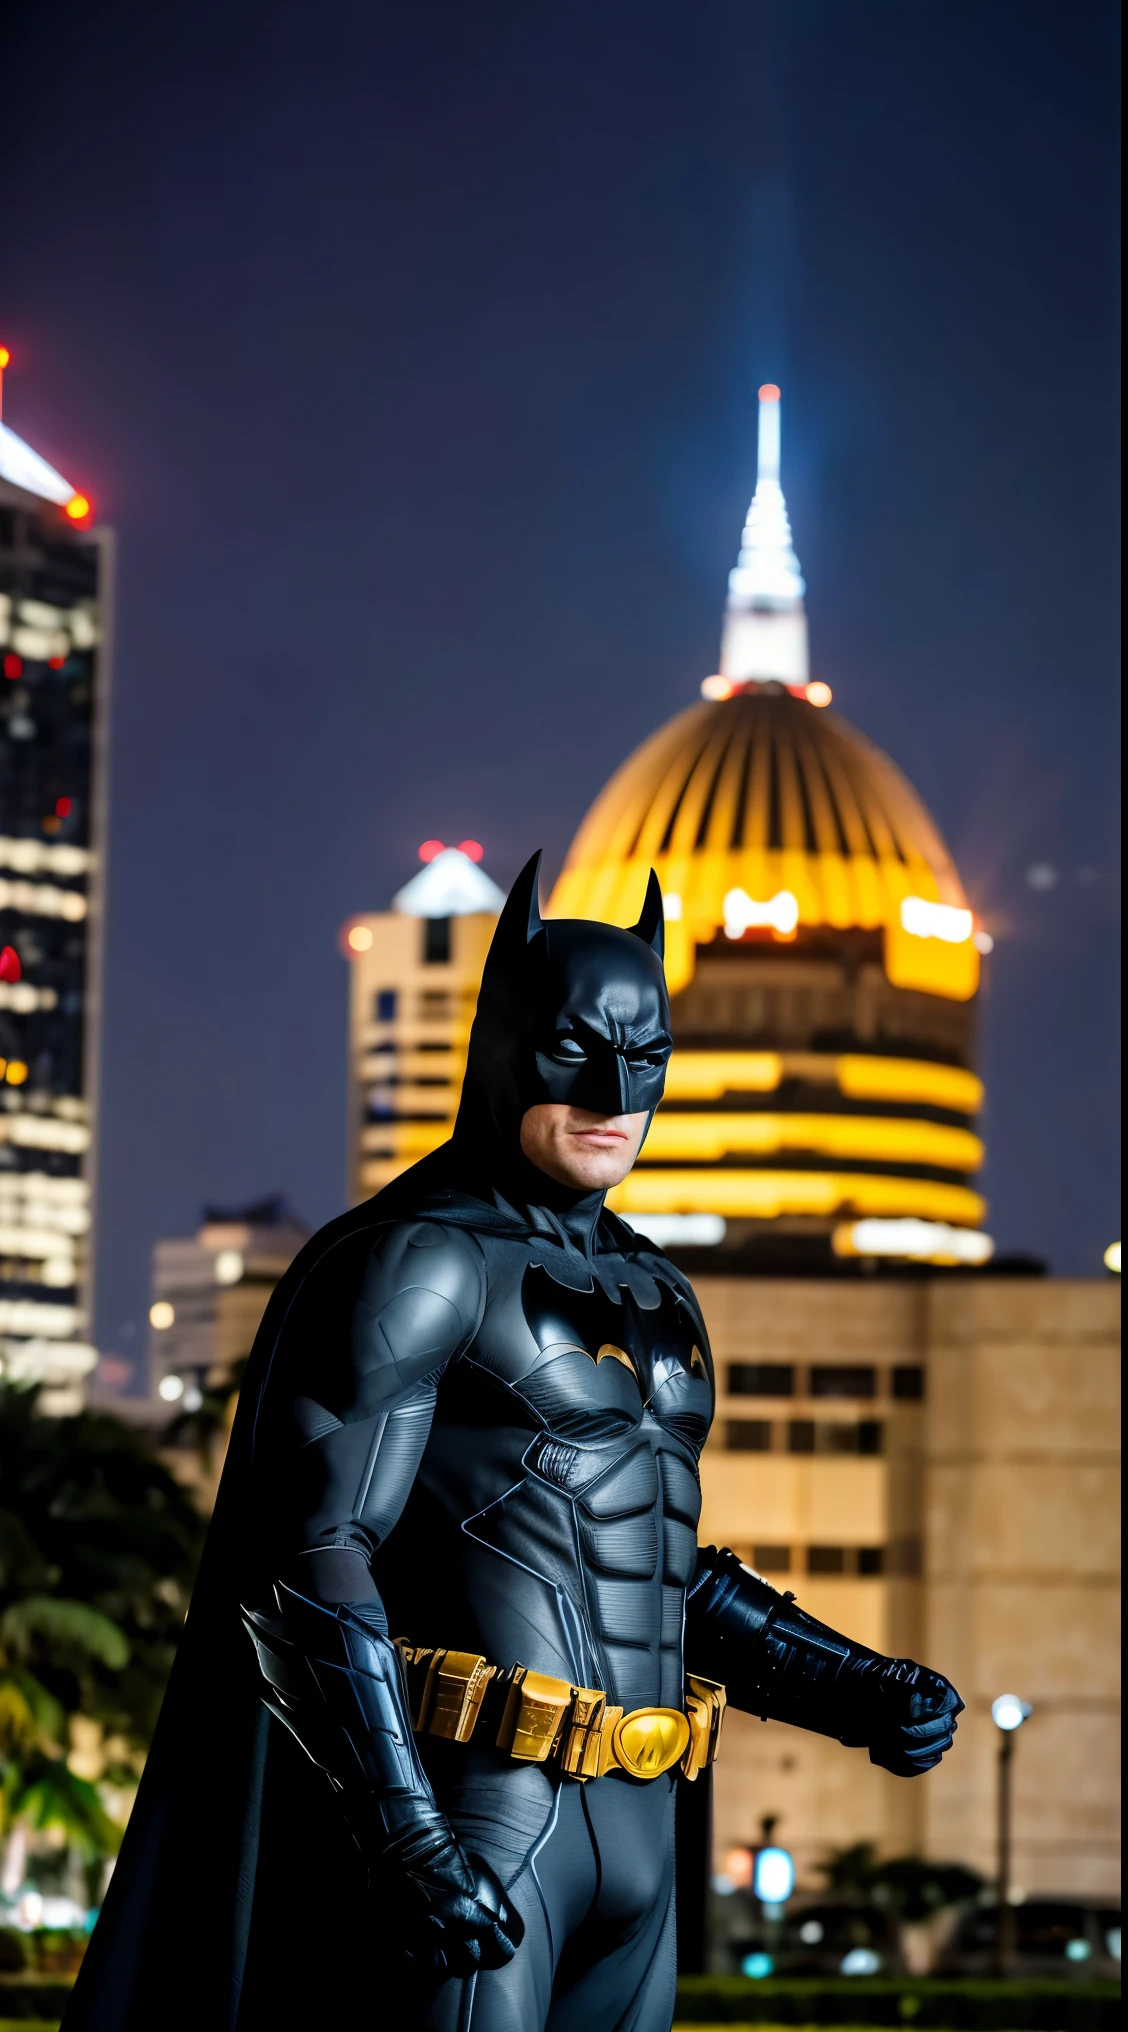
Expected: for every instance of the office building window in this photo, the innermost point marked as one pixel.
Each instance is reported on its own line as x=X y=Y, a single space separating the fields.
x=800 y=1435
x=761 y=1379
x=436 y=941
x=906 y=1556
x=384 y=1005
x=748 y=1435
x=908 y=1383
x=771 y=1558
x=837 y=1381
x=857 y=1437
x=865 y=1561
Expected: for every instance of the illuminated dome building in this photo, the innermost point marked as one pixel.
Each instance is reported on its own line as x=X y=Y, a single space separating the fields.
x=822 y=957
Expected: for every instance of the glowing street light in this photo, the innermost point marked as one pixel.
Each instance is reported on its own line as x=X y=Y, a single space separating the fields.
x=773 y=1877
x=1008 y=1713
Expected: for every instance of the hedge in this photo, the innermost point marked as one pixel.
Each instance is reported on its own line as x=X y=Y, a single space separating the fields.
x=935 y=2004
x=30 y=2004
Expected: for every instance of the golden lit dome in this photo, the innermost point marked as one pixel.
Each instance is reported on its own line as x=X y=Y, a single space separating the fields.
x=821 y=955
x=766 y=796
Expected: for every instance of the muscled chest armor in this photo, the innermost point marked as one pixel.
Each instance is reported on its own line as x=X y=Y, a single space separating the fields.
x=554 y=1514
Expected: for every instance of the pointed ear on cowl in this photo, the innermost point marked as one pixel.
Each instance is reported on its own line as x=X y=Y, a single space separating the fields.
x=520 y=919
x=651 y=926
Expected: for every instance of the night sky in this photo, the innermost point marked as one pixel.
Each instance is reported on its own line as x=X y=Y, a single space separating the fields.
x=413 y=351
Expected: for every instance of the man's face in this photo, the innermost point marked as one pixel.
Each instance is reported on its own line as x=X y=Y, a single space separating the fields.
x=576 y=1147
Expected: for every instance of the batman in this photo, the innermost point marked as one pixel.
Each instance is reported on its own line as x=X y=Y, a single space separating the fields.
x=454 y=1638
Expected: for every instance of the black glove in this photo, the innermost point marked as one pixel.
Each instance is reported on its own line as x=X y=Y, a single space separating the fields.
x=775 y=1660
x=335 y=1682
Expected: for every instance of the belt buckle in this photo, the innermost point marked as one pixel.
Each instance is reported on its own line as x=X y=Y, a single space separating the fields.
x=650 y=1740
x=705 y=1706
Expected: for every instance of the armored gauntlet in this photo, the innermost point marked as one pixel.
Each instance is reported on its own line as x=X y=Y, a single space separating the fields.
x=334 y=1680
x=776 y=1661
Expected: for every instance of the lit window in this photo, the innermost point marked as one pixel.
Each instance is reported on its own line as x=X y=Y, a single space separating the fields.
x=936 y=920
x=161 y=1315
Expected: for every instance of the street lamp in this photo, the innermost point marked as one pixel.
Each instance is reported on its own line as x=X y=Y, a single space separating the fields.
x=1008 y=1713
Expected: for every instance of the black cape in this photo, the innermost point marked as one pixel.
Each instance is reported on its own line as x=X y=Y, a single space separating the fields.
x=238 y=1901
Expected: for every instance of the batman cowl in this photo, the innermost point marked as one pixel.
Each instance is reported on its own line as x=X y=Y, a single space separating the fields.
x=570 y=1012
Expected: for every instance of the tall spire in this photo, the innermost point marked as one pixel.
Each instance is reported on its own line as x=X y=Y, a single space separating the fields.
x=765 y=624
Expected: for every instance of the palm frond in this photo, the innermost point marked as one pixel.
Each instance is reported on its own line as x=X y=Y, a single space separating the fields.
x=62 y=1628
x=50 y=1795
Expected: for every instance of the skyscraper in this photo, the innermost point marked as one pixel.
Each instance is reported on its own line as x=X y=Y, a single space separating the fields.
x=55 y=579
x=822 y=957
x=414 y=989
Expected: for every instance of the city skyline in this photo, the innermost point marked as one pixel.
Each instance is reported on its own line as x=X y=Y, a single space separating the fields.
x=330 y=649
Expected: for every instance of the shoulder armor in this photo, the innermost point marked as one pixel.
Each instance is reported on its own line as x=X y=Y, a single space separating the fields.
x=420 y=1300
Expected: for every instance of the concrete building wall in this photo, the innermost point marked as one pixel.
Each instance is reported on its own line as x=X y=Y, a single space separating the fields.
x=995 y=1501
x=1023 y=1460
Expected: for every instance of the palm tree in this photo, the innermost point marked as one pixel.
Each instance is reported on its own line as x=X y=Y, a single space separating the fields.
x=98 y=1546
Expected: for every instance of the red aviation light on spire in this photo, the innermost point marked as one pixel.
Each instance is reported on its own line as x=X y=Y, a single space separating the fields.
x=10 y=968
x=429 y=849
x=769 y=392
x=78 y=510
x=473 y=849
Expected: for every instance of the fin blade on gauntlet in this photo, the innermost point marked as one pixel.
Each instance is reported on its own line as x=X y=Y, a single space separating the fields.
x=776 y=1661
x=333 y=1678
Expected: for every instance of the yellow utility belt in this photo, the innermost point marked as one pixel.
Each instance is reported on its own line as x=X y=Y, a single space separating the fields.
x=535 y=1717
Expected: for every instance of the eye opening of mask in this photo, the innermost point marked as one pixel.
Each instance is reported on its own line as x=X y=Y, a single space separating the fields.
x=567 y=1050
x=655 y=1053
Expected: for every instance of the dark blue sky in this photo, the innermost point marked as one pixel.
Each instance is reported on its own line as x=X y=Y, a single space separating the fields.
x=412 y=349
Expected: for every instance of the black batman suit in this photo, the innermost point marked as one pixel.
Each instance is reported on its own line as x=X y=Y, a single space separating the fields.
x=472 y=1422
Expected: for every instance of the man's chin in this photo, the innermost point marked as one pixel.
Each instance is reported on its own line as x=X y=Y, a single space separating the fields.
x=598 y=1178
